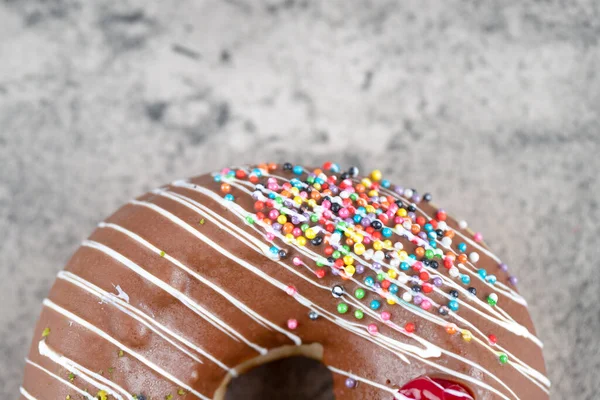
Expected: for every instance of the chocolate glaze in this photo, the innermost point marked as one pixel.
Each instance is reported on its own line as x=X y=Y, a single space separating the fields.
x=343 y=350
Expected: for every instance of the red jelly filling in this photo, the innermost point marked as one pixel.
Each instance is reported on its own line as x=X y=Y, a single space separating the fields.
x=426 y=388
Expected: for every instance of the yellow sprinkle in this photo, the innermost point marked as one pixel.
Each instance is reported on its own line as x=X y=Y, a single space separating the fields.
x=294 y=191
x=289 y=237
x=169 y=397
x=348 y=260
x=466 y=335
x=401 y=212
x=68 y=397
x=46 y=332
x=181 y=392
x=387 y=244
x=366 y=182
x=317 y=186
x=370 y=209
x=376 y=175
x=120 y=353
x=162 y=253
x=377 y=245
x=202 y=221
x=301 y=240
x=282 y=219
x=403 y=255
x=391 y=301
x=312 y=203
x=310 y=233
x=373 y=193
x=102 y=395
x=359 y=248
x=392 y=273
x=350 y=270
x=298 y=200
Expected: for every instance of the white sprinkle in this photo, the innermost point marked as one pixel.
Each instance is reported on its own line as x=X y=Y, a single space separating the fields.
x=474 y=257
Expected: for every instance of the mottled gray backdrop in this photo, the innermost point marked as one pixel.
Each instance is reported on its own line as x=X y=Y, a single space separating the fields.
x=493 y=106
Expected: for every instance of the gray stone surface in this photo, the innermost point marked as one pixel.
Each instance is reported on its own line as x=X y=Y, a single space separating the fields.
x=493 y=106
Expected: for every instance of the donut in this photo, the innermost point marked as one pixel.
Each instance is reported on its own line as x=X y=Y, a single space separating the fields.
x=187 y=288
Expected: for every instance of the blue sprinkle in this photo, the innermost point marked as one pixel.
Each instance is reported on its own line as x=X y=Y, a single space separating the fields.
x=393 y=288
x=375 y=304
x=298 y=170
x=404 y=266
x=217 y=178
x=433 y=244
x=319 y=181
x=413 y=256
x=462 y=247
x=229 y=197
x=428 y=227
x=272 y=195
x=490 y=279
x=361 y=210
x=466 y=279
x=482 y=273
x=231 y=174
x=453 y=305
x=257 y=172
x=385 y=183
x=386 y=232
x=357 y=218
x=369 y=281
x=335 y=168
x=274 y=250
x=432 y=235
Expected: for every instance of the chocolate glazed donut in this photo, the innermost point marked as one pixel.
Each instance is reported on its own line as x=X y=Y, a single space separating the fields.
x=190 y=285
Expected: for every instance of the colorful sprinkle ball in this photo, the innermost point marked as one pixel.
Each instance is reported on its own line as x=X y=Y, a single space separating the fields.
x=350 y=383
x=292 y=324
x=378 y=244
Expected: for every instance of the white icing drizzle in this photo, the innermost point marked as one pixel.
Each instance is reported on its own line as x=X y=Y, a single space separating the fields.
x=53 y=306
x=26 y=394
x=61 y=380
x=396 y=347
x=141 y=317
x=83 y=373
x=245 y=309
x=195 y=307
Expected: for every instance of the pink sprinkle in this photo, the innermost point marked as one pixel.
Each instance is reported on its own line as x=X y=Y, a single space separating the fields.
x=270 y=236
x=272 y=180
x=385 y=316
x=297 y=261
x=398 y=220
x=273 y=214
x=292 y=324
x=326 y=204
x=296 y=232
x=344 y=213
x=372 y=328
x=425 y=304
x=366 y=240
x=291 y=290
x=478 y=237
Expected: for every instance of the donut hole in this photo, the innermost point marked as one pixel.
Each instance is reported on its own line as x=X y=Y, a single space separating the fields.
x=286 y=373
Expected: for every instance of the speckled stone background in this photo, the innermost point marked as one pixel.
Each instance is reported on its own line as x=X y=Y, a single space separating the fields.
x=493 y=106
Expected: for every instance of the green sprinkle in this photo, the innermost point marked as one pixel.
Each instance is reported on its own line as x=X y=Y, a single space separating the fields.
x=358 y=314
x=336 y=254
x=314 y=218
x=304 y=227
x=359 y=293
x=71 y=376
x=380 y=276
x=120 y=353
x=342 y=308
x=162 y=253
x=249 y=220
x=169 y=397
x=353 y=197
x=181 y=392
x=429 y=254
x=503 y=358
x=202 y=221
x=46 y=332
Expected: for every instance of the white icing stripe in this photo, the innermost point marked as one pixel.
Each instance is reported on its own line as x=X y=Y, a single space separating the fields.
x=83 y=373
x=48 y=303
x=395 y=393
x=195 y=307
x=26 y=394
x=61 y=380
x=303 y=250
x=245 y=309
x=140 y=316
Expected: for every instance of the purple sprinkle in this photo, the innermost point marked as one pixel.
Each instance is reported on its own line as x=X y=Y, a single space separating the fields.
x=288 y=203
x=513 y=280
x=350 y=383
x=360 y=269
x=437 y=281
x=399 y=190
x=349 y=221
x=417 y=299
x=334 y=190
x=416 y=198
x=422 y=235
x=334 y=271
x=412 y=215
x=377 y=285
x=277 y=226
x=372 y=216
x=295 y=220
x=376 y=266
x=503 y=267
x=365 y=222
